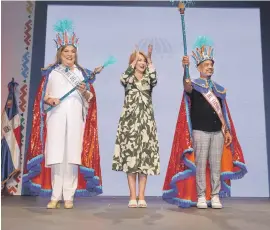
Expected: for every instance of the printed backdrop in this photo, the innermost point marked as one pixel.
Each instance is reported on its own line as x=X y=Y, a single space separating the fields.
x=162 y=28
x=16 y=63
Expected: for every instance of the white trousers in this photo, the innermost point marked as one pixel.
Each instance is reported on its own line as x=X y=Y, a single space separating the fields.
x=64 y=178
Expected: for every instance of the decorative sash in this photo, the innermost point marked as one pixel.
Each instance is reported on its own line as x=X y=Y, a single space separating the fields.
x=69 y=75
x=214 y=102
x=74 y=81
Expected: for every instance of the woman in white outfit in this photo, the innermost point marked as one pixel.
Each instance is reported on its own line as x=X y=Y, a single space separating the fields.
x=69 y=127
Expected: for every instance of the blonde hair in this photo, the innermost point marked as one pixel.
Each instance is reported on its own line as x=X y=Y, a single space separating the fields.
x=59 y=61
x=133 y=56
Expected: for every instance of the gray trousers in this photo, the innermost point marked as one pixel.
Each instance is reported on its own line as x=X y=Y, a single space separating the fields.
x=208 y=146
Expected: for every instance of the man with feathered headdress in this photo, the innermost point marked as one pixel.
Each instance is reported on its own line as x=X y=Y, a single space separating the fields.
x=63 y=153
x=206 y=153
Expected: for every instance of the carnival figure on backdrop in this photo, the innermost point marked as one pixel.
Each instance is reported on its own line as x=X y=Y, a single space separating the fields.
x=206 y=153
x=136 y=148
x=63 y=155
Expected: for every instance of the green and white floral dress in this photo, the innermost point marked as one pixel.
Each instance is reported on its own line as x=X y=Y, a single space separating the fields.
x=136 y=147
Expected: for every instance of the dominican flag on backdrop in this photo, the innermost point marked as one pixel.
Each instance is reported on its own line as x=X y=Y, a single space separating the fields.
x=11 y=136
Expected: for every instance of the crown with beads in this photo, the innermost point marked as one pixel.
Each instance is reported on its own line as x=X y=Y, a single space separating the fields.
x=65 y=34
x=203 y=50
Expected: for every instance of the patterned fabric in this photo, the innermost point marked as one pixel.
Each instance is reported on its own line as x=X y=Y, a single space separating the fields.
x=210 y=83
x=136 y=147
x=37 y=177
x=11 y=136
x=207 y=146
x=180 y=182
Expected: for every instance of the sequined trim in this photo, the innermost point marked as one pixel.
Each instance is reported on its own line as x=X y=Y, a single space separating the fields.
x=93 y=182
x=215 y=86
x=206 y=85
x=171 y=195
x=201 y=85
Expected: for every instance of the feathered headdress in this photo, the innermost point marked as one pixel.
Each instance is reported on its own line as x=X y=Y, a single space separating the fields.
x=203 y=50
x=65 y=34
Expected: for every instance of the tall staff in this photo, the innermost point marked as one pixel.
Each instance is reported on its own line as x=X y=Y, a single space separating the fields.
x=182 y=6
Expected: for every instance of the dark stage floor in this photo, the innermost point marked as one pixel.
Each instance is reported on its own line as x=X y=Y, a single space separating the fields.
x=108 y=213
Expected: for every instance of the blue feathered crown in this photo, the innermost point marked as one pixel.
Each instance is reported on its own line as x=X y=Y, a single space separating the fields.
x=203 y=50
x=65 y=34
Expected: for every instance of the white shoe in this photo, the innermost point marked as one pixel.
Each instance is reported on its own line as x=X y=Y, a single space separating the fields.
x=215 y=202
x=142 y=204
x=202 y=203
x=133 y=204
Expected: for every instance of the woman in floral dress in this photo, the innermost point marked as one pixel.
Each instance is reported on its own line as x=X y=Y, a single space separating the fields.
x=136 y=148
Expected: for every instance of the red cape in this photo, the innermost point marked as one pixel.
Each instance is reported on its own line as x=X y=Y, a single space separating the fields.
x=180 y=182
x=38 y=178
